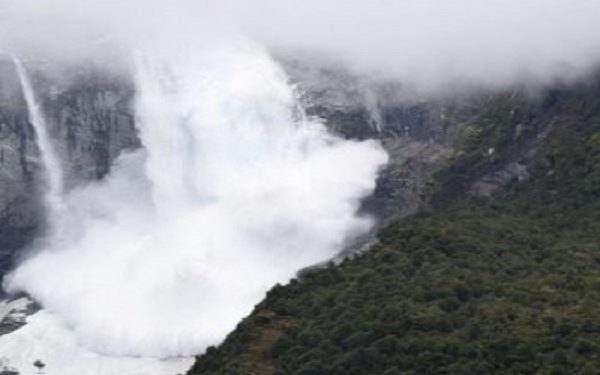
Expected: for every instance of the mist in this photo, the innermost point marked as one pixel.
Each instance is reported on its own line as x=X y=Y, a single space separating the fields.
x=427 y=44
x=233 y=192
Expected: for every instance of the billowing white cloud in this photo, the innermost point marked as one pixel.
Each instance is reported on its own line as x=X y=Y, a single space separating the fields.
x=233 y=192
x=430 y=42
x=423 y=42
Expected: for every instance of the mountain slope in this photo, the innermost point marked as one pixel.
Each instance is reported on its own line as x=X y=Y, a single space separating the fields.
x=502 y=276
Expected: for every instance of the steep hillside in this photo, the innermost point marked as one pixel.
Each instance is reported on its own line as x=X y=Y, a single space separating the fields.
x=499 y=276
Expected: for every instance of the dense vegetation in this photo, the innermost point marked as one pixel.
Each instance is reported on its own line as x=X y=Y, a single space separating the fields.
x=503 y=285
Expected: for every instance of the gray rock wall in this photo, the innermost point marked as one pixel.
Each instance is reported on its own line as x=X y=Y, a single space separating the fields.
x=418 y=135
x=18 y=160
x=90 y=119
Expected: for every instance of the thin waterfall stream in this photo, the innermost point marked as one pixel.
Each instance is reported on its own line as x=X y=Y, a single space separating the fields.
x=53 y=174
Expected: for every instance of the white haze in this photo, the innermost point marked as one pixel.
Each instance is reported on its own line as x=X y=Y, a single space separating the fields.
x=235 y=190
x=429 y=44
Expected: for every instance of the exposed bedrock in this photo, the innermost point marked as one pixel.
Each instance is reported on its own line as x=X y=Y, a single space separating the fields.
x=90 y=118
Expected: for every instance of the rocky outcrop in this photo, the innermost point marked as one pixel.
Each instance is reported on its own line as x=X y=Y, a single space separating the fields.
x=14 y=313
x=92 y=120
x=418 y=135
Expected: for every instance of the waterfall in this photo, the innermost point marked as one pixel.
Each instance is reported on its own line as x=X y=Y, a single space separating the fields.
x=53 y=176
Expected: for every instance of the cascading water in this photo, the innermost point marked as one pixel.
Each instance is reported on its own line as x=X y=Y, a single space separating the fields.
x=231 y=194
x=51 y=165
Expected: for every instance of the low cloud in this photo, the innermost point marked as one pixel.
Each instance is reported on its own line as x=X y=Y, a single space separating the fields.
x=425 y=43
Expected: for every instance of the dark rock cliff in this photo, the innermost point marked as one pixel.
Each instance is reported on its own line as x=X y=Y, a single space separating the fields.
x=90 y=119
x=489 y=137
x=19 y=204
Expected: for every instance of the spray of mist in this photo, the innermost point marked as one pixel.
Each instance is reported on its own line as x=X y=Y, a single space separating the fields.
x=427 y=44
x=233 y=192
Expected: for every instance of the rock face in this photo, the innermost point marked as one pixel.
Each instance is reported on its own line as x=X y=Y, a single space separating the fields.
x=93 y=122
x=19 y=205
x=490 y=138
x=90 y=119
x=417 y=135
x=14 y=312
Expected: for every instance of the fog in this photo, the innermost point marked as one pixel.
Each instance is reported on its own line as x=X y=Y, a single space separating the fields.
x=425 y=43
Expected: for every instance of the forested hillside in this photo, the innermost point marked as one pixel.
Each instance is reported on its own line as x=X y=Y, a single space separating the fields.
x=500 y=280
